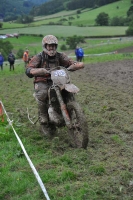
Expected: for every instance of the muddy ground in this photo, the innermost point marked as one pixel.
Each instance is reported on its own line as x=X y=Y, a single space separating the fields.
x=104 y=171
x=118 y=74
x=115 y=73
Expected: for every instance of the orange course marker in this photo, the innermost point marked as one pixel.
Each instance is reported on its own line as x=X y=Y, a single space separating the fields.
x=1 y=113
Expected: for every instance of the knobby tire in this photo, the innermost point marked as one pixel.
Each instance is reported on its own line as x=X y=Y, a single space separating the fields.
x=79 y=132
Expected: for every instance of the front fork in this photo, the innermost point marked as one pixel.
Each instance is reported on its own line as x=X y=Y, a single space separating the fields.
x=63 y=108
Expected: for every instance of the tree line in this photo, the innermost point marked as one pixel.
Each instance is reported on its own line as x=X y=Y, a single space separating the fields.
x=55 y=6
x=11 y=10
x=88 y=4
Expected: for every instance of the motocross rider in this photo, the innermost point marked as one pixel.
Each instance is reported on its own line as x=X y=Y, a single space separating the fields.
x=39 y=67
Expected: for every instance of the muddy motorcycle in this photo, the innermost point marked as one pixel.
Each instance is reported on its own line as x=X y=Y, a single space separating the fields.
x=63 y=110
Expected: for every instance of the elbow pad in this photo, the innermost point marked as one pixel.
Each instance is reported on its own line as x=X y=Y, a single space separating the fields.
x=27 y=72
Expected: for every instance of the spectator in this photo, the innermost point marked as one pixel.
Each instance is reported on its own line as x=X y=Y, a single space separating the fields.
x=79 y=54
x=11 y=60
x=1 y=61
x=26 y=57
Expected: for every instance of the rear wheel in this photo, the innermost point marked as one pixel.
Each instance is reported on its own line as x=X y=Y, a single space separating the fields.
x=79 y=131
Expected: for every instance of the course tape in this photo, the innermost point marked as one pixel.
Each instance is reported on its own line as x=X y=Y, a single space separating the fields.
x=100 y=54
x=26 y=155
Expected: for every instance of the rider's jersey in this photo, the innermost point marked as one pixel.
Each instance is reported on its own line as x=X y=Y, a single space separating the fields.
x=42 y=60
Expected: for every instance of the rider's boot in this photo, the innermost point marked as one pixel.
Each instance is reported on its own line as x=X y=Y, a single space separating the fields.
x=45 y=130
x=43 y=118
x=42 y=113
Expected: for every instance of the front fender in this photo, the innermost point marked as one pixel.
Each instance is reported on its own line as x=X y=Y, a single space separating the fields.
x=71 y=88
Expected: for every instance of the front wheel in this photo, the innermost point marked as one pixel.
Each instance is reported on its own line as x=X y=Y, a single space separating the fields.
x=79 y=131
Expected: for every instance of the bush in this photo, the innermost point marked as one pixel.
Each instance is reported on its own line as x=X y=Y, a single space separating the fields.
x=130 y=11
x=25 y=19
x=71 y=18
x=129 y=31
x=117 y=21
x=51 y=23
x=5 y=48
x=20 y=53
x=78 y=11
x=74 y=40
x=10 y=17
x=1 y=24
x=102 y=19
x=63 y=19
x=63 y=47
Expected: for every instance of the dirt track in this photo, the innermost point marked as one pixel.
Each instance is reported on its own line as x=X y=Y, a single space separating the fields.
x=126 y=50
x=115 y=73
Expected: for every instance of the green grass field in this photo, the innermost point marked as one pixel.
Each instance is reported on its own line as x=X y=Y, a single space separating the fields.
x=66 y=31
x=91 y=46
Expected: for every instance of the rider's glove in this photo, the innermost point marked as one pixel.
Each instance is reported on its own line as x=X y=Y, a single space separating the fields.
x=75 y=66
x=39 y=71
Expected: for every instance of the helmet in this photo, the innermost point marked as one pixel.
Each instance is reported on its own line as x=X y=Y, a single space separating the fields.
x=49 y=39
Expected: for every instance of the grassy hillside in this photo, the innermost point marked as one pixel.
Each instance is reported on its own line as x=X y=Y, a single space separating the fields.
x=56 y=15
x=86 y=18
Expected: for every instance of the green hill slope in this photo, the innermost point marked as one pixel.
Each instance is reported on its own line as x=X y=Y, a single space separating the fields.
x=66 y=31
x=87 y=16
x=55 y=6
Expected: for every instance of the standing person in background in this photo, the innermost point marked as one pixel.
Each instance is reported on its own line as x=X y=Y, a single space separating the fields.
x=11 y=60
x=80 y=54
x=1 y=61
x=26 y=57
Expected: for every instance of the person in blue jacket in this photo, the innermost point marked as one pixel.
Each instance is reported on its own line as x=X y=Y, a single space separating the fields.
x=1 y=61
x=79 y=54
